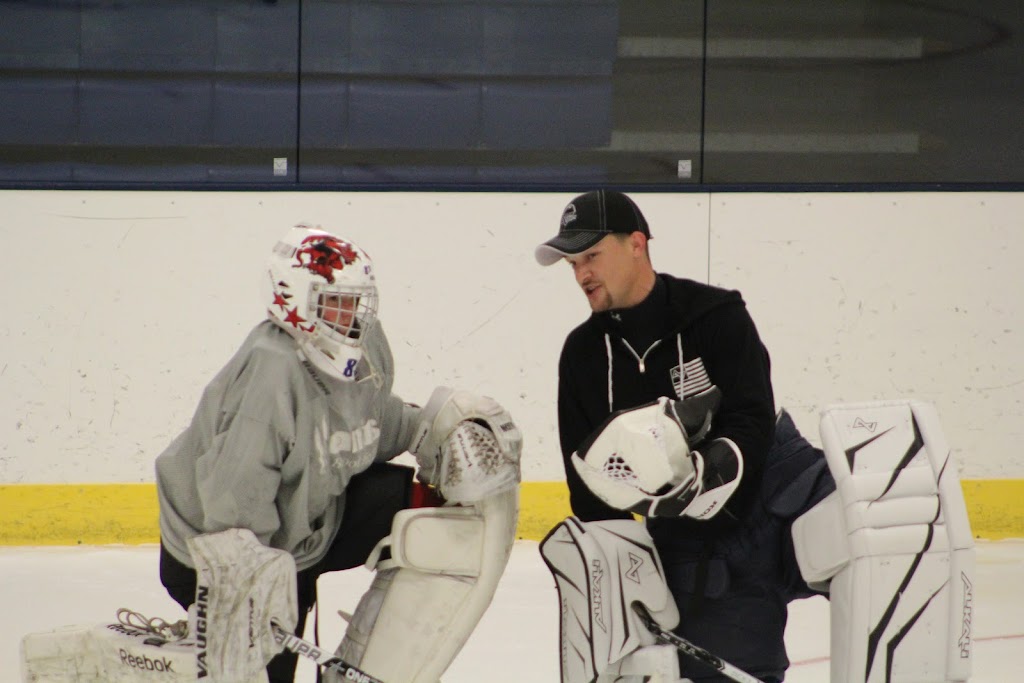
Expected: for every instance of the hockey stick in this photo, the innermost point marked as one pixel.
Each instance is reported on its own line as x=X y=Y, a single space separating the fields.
x=691 y=650
x=293 y=643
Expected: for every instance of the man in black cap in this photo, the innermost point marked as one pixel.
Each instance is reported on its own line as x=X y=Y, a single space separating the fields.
x=721 y=522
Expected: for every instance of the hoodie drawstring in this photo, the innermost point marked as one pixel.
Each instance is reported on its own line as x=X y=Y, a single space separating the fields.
x=608 y=349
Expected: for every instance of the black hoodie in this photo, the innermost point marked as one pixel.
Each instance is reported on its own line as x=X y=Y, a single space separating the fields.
x=624 y=358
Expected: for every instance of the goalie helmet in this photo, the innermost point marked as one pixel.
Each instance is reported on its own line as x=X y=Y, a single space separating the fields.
x=324 y=294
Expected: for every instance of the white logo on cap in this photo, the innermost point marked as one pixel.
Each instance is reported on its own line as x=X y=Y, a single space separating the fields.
x=569 y=215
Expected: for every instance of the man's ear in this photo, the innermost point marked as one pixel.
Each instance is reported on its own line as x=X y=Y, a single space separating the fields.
x=638 y=242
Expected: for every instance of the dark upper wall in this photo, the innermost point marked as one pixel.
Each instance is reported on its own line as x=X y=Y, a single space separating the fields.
x=510 y=93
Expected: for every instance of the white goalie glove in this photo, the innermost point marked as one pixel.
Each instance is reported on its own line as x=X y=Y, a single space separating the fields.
x=445 y=410
x=641 y=459
x=473 y=466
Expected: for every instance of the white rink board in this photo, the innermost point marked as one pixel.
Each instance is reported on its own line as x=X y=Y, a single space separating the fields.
x=892 y=295
x=120 y=306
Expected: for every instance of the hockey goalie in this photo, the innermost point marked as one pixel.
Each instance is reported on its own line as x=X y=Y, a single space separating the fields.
x=435 y=575
x=875 y=521
x=283 y=474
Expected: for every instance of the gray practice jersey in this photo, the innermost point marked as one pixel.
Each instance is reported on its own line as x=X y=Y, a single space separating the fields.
x=273 y=445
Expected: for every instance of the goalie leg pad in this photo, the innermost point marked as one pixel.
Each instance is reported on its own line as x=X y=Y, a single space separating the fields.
x=650 y=664
x=109 y=653
x=601 y=569
x=436 y=575
x=893 y=544
x=64 y=655
x=241 y=587
x=115 y=653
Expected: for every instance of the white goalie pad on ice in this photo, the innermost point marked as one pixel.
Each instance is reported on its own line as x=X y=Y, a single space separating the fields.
x=893 y=546
x=107 y=653
x=242 y=585
x=601 y=570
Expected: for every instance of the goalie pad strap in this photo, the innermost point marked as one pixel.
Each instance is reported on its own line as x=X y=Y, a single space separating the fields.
x=893 y=545
x=434 y=541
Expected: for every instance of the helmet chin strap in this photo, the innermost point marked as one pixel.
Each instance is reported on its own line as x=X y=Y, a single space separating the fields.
x=355 y=367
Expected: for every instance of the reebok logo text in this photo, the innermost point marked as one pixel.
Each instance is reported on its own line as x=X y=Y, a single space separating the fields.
x=163 y=665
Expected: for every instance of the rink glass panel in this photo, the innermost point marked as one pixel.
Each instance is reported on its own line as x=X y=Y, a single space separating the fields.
x=510 y=94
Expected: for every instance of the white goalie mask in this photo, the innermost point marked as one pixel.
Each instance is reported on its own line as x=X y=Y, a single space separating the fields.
x=324 y=294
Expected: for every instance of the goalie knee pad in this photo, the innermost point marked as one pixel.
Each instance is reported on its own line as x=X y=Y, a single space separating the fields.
x=601 y=570
x=892 y=545
x=436 y=576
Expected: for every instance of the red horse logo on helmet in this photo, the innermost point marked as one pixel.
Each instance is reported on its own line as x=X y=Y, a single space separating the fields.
x=323 y=255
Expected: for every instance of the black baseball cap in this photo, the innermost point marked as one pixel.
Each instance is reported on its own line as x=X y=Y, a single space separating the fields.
x=587 y=220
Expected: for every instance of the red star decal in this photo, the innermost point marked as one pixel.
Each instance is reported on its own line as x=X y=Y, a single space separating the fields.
x=294 y=318
x=280 y=301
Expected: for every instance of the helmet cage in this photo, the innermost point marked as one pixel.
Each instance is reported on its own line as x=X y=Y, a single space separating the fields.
x=342 y=311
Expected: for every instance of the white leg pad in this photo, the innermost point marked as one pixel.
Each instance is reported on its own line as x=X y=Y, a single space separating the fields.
x=601 y=569
x=109 y=653
x=650 y=664
x=893 y=545
x=436 y=575
x=242 y=586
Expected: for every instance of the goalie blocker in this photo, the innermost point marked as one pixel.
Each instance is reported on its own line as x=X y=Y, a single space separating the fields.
x=893 y=545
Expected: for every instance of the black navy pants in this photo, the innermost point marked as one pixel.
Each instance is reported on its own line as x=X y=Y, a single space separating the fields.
x=371 y=501
x=733 y=587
